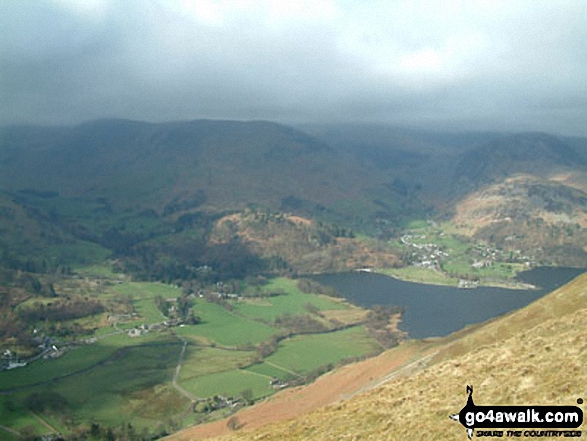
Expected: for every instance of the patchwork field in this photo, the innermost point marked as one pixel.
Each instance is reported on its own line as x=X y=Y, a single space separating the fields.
x=412 y=389
x=114 y=378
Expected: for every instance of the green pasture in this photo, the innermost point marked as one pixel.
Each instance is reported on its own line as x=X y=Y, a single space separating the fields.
x=292 y=302
x=97 y=270
x=46 y=370
x=225 y=328
x=303 y=354
x=416 y=224
x=120 y=379
x=132 y=384
x=204 y=361
x=499 y=270
x=147 y=289
x=73 y=361
x=104 y=394
x=7 y=436
x=422 y=275
x=143 y=294
x=17 y=418
x=229 y=383
x=269 y=371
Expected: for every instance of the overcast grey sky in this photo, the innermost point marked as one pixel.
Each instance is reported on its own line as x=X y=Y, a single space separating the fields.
x=505 y=65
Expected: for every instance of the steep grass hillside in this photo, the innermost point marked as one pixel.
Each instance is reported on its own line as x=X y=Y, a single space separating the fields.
x=537 y=355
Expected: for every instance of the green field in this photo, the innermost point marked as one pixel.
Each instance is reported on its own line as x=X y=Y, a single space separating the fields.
x=422 y=275
x=79 y=359
x=147 y=289
x=229 y=383
x=45 y=370
x=119 y=379
x=270 y=371
x=224 y=328
x=127 y=383
x=204 y=361
x=293 y=302
x=499 y=270
x=303 y=354
x=143 y=294
x=108 y=391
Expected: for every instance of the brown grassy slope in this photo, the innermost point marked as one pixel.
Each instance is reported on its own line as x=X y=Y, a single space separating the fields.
x=537 y=355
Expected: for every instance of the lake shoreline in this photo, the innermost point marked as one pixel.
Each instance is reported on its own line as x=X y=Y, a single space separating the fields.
x=454 y=282
x=433 y=310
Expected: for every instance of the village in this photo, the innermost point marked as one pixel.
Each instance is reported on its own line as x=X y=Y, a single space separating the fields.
x=453 y=257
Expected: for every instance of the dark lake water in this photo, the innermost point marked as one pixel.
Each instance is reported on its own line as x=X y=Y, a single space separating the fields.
x=433 y=310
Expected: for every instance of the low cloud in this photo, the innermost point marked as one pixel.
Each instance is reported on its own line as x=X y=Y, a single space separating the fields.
x=476 y=64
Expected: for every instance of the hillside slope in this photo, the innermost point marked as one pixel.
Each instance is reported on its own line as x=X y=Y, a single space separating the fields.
x=536 y=355
x=538 y=154
x=540 y=218
x=203 y=164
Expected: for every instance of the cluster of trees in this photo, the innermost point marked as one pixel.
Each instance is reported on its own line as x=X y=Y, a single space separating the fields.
x=46 y=401
x=308 y=286
x=300 y=324
x=378 y=324
x=292 y=245
x=12 y=328
x=181 y=308
x=124 y=432
x=265 y=349
x=182 y=260
x=60 y=310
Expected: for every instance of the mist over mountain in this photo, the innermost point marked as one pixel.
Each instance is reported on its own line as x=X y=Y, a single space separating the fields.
x=219 y=165
x=214 y=165
x=530 y=153
x=371 y=178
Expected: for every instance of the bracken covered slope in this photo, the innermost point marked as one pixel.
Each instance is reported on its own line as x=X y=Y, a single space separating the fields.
x=537 y=355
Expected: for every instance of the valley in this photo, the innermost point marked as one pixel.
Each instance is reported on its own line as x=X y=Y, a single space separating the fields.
x=159 y=276
x=124 y=365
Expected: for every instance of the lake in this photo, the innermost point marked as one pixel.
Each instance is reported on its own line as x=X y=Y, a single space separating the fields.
x=433 y=310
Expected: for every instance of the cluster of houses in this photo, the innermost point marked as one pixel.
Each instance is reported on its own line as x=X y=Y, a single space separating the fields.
x=426 y=255
x=215 y=403
x=489 y=255
x=277 y=384
x=47 y=346
x=467 y=284
x=10 y=360
x=145 y=328
x=429 y=255
x=115 y=318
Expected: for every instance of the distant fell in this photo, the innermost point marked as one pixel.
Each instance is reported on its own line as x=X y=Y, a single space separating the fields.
x=527 y=153
x=207 y=165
